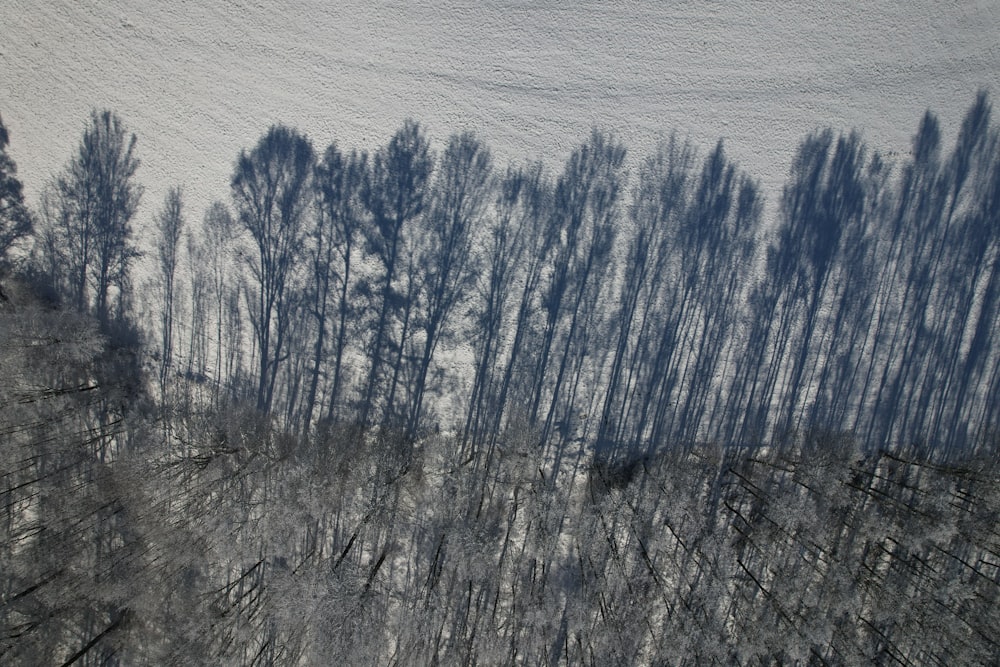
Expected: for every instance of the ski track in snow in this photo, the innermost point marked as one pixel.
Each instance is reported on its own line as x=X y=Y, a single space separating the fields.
x=198 y=82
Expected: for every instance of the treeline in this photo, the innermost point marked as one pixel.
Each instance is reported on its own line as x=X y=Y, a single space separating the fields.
x=255 y=478
x=213 y=537
x=419 y=289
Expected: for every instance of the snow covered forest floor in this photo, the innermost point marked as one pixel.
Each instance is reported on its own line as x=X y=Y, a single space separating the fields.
x=180 y=533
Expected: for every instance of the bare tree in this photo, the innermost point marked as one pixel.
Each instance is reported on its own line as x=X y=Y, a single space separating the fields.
x=461 y=191
x=199 y=279
x=586 y=210
x=659 y=203
x=169 y=226
x=821 y=210
x=334 y=237
x=15 y=219
x=98 y=197
x=270 y=188
x=394 y=192
x=712 y=247
x=530 y=193
x=516 y=247
x=218 y=230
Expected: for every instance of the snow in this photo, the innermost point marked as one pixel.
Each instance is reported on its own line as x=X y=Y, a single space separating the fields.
x=197 y=82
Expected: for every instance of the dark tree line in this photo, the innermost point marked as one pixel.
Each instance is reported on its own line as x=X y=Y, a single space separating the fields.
x=224 y=539
x=413 y=290
x=878 y=294
x=792 y=442
x=88 y=243
x=15 y=219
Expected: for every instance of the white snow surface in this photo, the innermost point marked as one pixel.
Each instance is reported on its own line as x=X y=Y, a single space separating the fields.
x=199 y=81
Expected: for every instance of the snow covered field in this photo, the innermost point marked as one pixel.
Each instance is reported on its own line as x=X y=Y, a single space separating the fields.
x=197 y=82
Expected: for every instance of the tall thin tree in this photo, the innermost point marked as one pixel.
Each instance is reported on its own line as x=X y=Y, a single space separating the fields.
x=395 y=193
x=334 y=236
x=169 y=226
x=270 y=188
x=100 y=196
x=462 y=187
x=15 y=219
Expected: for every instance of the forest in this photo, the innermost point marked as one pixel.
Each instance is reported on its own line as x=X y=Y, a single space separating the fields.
x=415 y=407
